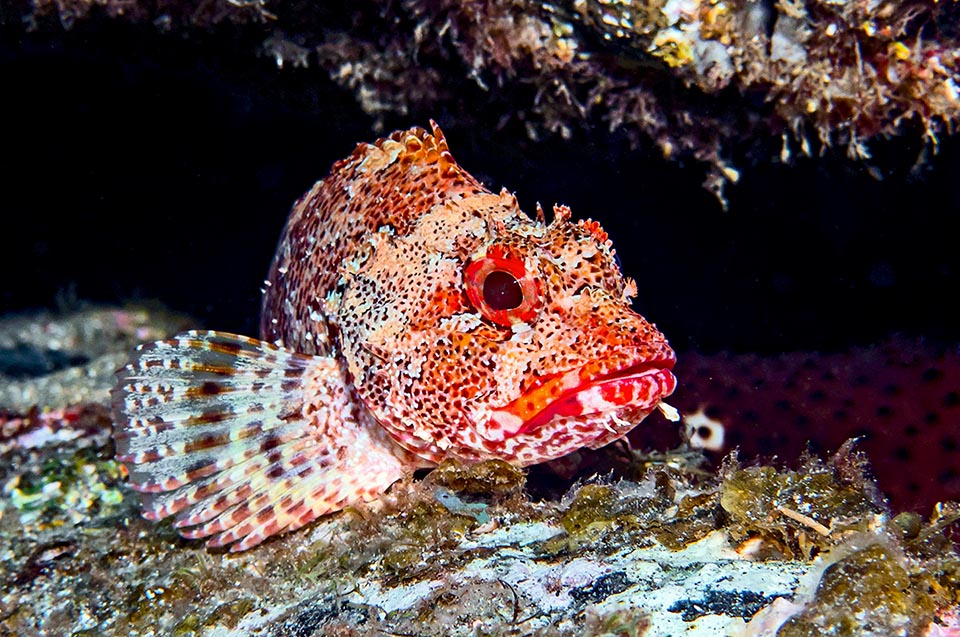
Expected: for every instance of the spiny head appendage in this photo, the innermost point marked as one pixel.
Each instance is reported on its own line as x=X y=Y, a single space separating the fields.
x=413 y=146
x=561 y=215
x=594 y=229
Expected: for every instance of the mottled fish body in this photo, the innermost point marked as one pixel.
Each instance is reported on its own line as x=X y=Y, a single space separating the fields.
x=410 y=315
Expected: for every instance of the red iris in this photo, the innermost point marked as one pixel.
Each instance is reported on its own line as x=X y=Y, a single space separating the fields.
x=499 y=286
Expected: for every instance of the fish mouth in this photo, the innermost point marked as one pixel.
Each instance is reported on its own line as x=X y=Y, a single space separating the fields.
x=583 y=392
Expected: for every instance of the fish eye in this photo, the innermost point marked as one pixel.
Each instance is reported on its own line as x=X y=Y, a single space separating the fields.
x=500 y=288
x=502 y=291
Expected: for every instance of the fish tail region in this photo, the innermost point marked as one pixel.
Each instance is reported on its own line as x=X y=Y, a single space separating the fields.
x=240 y=439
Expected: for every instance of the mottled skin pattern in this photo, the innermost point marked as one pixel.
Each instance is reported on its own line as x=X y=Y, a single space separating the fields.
x=409 y=316
x=387 y=184
x=423 y=359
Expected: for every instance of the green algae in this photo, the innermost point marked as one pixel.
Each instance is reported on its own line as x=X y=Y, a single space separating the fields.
x=934 y=548
x=424 y=547
x=415 y=533
x=599 y=514
x=429 y=519
x=67 y=488
x=227 y=615
x=894 y=584
x=416 y=543
x=230 y=614
x=874 y=583
x=798 y=512
x=697 y=516
x=591 y=512
x=591 y=516
x=186 y=627
x=490 y=477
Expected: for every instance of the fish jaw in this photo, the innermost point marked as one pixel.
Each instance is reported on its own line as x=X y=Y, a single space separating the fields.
x=582 y=393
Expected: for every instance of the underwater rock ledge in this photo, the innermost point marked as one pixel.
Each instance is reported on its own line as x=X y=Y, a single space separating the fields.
x=700 y=79
x=754 y=550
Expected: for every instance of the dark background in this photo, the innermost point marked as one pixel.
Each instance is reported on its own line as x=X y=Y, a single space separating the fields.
x=147 y=166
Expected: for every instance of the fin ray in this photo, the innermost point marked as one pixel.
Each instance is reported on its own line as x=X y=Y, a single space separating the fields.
x=241 y=439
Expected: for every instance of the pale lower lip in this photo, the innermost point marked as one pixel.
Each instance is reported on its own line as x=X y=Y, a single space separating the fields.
x=643 y=390
x=640 y=387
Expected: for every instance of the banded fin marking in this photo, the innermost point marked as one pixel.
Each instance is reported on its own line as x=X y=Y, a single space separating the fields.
x=240 y=439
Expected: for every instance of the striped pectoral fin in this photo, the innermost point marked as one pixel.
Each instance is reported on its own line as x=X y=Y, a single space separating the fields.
x=240 y=439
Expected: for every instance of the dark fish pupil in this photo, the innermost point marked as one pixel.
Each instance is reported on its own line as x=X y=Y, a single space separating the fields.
x=502 y=291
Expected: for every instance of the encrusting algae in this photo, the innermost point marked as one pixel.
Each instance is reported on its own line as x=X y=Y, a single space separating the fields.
x=610 y=556
x=709 y=80
x=562 y=563
x=755 y=550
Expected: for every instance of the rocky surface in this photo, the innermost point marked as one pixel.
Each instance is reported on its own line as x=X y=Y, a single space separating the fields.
x=53 y=360
x=466 y=550
x=693 y=78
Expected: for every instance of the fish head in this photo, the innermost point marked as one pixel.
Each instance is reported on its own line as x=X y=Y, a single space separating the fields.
x=482 y=333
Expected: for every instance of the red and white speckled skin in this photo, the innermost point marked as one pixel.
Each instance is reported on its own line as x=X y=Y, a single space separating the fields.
x=410 y=315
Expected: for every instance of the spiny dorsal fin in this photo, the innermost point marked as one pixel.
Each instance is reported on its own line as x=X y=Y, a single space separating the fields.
x=241 y=439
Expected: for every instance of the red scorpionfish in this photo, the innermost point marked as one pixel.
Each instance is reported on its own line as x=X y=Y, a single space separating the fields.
x=410 y=315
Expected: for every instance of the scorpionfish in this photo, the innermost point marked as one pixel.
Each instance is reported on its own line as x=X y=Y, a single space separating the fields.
x=410 y=315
